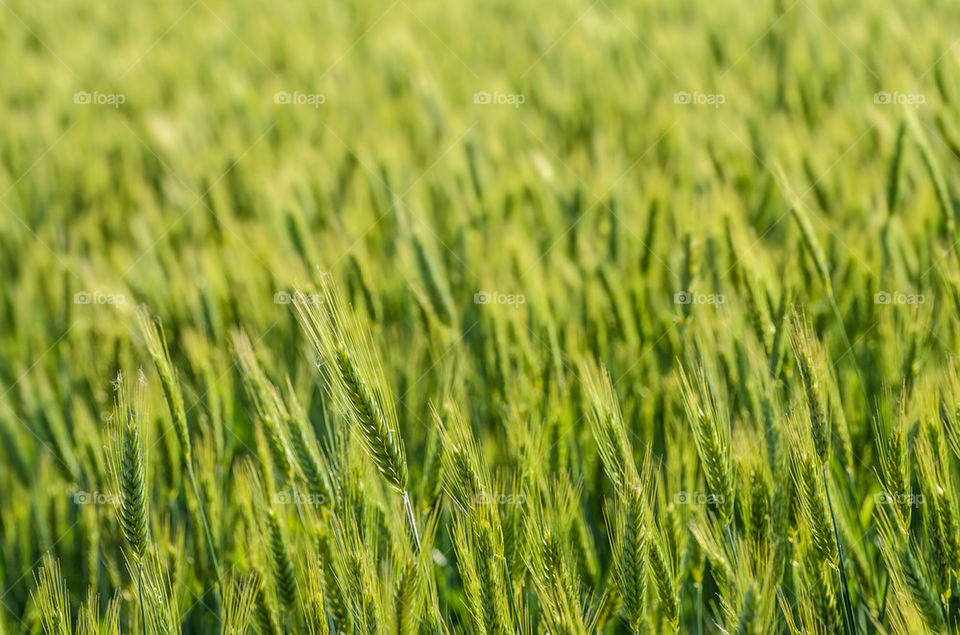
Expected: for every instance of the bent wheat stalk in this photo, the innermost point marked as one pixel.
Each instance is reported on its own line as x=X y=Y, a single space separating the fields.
x=357 y=383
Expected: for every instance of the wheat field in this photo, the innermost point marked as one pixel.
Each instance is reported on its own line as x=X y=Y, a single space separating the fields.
x=391 y=316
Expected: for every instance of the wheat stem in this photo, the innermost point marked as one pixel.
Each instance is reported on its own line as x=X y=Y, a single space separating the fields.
x=143 y=613
x=844 y=587
x=411 y=519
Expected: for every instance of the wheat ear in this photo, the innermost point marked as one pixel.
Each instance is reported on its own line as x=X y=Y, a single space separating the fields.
x=358 y=385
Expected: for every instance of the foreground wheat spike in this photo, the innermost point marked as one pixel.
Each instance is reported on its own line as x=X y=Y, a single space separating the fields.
x=313 y=603
x=662 y=570
x=811 y=478
x=363 y=583
x=810 y=360
x=609 y=431
x=465 y=475
x=328 y=548
x=130 y=473
x=133 y=501
x=358 y=385
x=947 y=512
x=919 y=587
x=551 y=558
x=814 y=509
x=478 y=531
x=408 y=598
x=566 y=610
x=940 y=536
x=467 y=568
x=910 y=580
x=630 y=537
x=894 y=460
x=283 y=571
x=382 y=442
x=747 y=602
x=629 y=534
x=758 y=502
x=712 y=437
